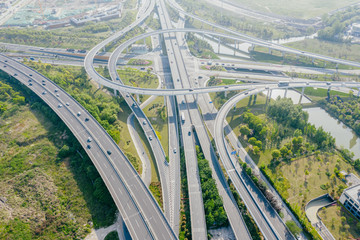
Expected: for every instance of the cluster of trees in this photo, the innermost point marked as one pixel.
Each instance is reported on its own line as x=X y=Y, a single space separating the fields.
x=346 y=111
x=7 y=96
x=65 y=37
x=104 y=110
x=336 y=23
x=289 y=122
x=257 y=125
x=286 y=113
x=200 y=48
x=214 y=210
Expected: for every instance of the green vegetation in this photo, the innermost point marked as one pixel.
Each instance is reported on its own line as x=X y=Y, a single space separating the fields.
x=49 y=187
x=317 y=94
x=213 y=68
x=185 y=221
x=139 y=62
x=275 y=139
x=112 y=236
x=155 y=188
x=249 y=221
x=200 y=48
x=347 y=111
x=235 y=21
x=341 y=223
x=137 y=78
x=304 y=9
x=152 y=22
x=294 y=229
x=333 y=49
x=84 y=37
x=325 y=77
x=214 y=211
x=130 y=4
x=174 y=15
x=157 y=114
x=262 y=54
x=335 y=24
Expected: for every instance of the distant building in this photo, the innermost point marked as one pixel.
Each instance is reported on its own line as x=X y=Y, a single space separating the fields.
x=139 y=48
x=350 y=198
x=57 y=24
x=355 y=30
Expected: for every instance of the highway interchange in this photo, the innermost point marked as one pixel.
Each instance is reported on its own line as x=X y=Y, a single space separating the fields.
x=142 y=215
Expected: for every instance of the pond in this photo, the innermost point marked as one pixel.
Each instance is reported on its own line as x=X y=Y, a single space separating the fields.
x=343 y=135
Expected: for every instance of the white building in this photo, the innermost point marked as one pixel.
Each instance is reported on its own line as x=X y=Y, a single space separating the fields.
x=355 y=30
x=139 y=48
x=350 y=198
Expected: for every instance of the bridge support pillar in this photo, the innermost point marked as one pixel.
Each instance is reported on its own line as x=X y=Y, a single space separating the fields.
x=270 y=52
x=328 y=92
x=203 y=36
x=358 y=92
x=302 y=95
x=285 y=92
x=115 y=92
x=252 y=47
x=268 y=98
x=99 y=86
x=313 y=60
x=138 y=98
x=225 y=93
x=219 y=46
x=196 y=97
x=283 y=54
x=104 y=50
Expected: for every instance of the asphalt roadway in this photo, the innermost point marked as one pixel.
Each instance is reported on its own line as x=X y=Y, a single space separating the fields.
x=140 y=211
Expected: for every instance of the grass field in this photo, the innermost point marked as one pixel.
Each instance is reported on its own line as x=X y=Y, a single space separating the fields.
x=331 y=218
x=43 y=194
x=332 y=49
x=160 y=125
x=294 y=8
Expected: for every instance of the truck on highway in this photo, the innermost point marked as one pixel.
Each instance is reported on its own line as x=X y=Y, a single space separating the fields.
x=182 y=117
x=283 y=84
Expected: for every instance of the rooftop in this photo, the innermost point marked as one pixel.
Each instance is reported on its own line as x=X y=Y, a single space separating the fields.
x=353 y=192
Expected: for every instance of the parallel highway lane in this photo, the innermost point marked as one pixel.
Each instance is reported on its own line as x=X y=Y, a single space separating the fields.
x=141 y=213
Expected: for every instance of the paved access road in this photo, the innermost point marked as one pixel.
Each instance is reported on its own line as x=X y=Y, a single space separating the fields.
x=139 y=209
x=268 y=221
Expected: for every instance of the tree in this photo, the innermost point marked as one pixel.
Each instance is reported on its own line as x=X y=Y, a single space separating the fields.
x=256 y=150
x=284 y=151
x=275 y=154
x=244 y=130
x=294 y=229
x=252 y=141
